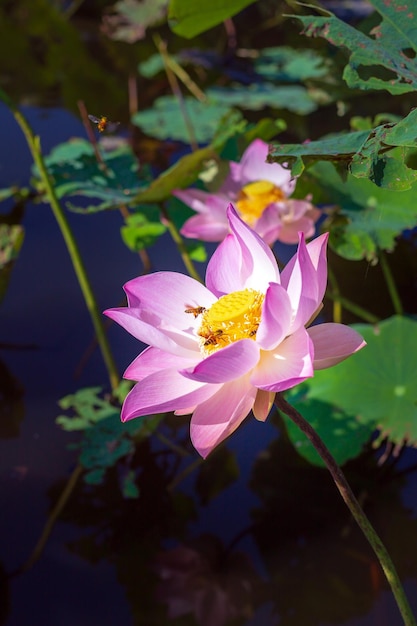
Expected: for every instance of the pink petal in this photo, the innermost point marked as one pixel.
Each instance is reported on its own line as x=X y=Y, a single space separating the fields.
x=147 y=332
x=292 y=210
x=269 y=225
x=225 y=364
x=333 y=343
x=276 y=318
x=156 y=313
x=152 y=360
x=253 y=167
x=289 y=231
x=263 y=404
x=305 y=279
x=167 y=294
x=241 y=261
x=206 y=227
x=162 y=391
x=203 y=202
x=289 y=364
x=218 y=417
x=222 y=270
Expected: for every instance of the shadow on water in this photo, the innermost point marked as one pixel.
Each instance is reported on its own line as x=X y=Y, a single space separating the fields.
x=254 y=536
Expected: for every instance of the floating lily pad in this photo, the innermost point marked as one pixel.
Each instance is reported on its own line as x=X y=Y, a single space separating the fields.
x=344 y=436
x=374 y=216
x=165 y=119
x=76 y=172
x=257 y=96
x=378 y=384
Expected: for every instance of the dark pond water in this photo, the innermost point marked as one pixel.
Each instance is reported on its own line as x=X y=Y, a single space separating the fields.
x=265 y=541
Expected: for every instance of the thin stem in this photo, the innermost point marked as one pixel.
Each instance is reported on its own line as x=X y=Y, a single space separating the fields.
x=175 y=88
x=337 y=305
x=389 y=279
x=354 y=308
x=175 y=234
x=79 y=268
x=354 y=507
x=55 y=513
x=186 y=472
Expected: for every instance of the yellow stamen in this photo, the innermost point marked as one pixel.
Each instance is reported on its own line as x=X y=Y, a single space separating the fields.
x=254 y=197
x=234 y=316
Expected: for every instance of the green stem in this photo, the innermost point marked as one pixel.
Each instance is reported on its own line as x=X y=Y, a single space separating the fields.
x=175 y=234
x=337 y=305
x=354 y=507
x=389 y=279
x=175 y=88
x=80 y=271
x=353 y=308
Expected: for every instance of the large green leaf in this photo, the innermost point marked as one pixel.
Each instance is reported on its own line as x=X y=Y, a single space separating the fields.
x=106 y=439
x=142 y=228
x=368 y=153
x=378 y=384
x=383 y=59
x=129 y=19
x=165 y=120
x=338 y=147
x=342 y=433
x=374 y=217
x=257 y=96
x=189 y=18
x=287 y=64
x=76 y=172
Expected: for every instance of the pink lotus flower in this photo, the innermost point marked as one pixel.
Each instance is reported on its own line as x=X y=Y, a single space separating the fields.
x=223 y=350
x=260 y=192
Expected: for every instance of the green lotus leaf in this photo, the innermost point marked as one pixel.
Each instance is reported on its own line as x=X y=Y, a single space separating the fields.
x=378 y=384
x=165 y=119
x=344 y=436
x=372 y=217
x=189 y=18
x=257 y=96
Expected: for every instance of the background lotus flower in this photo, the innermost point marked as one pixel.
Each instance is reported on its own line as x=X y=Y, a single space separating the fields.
x=223 y=350
x=260 y=192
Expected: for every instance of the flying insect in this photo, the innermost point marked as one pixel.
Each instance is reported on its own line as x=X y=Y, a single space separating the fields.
x=103 y=123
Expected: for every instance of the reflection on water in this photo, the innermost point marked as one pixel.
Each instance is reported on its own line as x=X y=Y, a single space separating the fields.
x=254 y=536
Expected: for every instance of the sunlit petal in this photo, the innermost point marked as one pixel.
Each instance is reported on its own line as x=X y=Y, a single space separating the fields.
x=289 y=364
x=226 y=364
x=333 y=343
x=216 y=418
x=162 y=391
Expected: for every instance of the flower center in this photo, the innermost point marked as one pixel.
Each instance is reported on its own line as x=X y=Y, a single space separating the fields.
x=234 y=316
x=255 y=197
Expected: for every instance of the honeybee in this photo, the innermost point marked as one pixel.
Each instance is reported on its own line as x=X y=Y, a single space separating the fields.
x=196 y=311
x=103 y=123
x=212 y=337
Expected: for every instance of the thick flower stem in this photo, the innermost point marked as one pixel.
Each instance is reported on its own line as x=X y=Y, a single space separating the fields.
x=79 y=268
x=354 y=507
x=390 y=282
